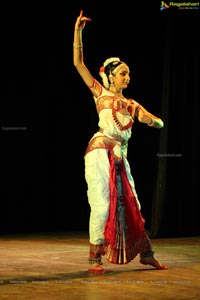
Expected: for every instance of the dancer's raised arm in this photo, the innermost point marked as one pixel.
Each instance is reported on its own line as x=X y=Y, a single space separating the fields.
x=78 y=58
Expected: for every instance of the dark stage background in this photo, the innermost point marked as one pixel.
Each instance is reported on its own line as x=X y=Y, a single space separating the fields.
x=48 y=114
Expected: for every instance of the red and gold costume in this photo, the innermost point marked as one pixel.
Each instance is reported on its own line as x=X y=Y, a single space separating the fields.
x=116 y=228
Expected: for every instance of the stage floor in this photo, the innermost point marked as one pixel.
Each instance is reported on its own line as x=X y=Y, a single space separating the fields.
x=53 y=266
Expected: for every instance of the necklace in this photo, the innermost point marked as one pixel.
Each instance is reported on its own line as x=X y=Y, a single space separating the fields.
x=120 y=107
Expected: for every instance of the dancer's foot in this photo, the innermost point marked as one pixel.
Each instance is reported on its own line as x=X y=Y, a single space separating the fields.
x=150 y=260
x=96 y=268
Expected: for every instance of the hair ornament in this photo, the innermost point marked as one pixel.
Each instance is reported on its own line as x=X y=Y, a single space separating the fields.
x=102 y=69
x=104 y=78
x=102 y=73
x=111 y=60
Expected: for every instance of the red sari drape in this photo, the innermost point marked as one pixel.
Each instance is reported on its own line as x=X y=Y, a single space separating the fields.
x=124 y=234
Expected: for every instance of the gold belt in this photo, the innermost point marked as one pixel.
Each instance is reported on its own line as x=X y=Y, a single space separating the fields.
x=114 y=136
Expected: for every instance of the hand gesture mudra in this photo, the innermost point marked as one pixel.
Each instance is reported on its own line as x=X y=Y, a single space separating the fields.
x=81 y=21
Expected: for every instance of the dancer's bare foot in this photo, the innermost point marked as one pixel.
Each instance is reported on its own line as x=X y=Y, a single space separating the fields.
x=150 y=260
x=96 y=268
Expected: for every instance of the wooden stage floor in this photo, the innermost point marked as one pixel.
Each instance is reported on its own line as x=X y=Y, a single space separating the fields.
x=53 y=266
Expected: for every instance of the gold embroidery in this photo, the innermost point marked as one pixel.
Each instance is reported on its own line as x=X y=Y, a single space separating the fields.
x=120 y=107
x=104 y=102
x=109 y=143
x=101 y=142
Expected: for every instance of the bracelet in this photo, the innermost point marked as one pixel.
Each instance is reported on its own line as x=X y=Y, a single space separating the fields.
x=151 y=123
x=78 y=46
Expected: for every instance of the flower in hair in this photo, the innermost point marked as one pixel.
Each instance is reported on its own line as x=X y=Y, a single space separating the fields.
x=102 y=69
x=111 y=60
x=104 y=77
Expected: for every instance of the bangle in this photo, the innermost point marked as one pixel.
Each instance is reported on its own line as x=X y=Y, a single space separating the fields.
x=78 y=46
x=151 y=123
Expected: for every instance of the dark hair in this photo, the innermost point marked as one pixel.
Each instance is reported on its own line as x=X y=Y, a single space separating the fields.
x=110 y=67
